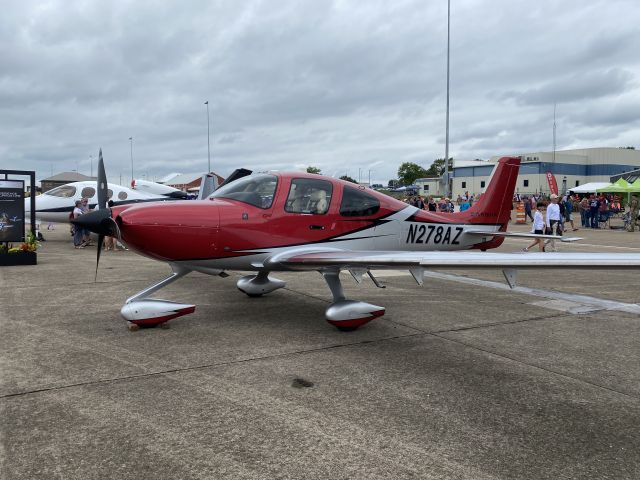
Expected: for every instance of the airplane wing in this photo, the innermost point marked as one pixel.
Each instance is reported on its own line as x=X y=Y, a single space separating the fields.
x=481 y=233
x=397 y=259
x=358 y=262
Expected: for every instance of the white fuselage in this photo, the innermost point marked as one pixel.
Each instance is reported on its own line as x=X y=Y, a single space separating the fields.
x=56 y=204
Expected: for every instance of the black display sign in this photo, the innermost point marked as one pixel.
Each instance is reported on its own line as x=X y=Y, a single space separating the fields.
x=11 y=211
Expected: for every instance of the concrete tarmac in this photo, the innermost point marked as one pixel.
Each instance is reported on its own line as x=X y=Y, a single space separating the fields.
x=461 y=379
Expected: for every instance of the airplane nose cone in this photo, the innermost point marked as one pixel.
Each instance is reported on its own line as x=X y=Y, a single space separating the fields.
x=98 y=221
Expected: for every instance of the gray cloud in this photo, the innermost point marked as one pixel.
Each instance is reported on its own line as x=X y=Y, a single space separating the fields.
x=342 y=85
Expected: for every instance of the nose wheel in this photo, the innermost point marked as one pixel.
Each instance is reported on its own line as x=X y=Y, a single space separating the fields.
x=258 y=285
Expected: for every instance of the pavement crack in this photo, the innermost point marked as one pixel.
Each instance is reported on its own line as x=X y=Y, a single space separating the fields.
x=204 y=366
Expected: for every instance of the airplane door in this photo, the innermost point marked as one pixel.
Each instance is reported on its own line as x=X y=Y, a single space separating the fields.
x=303 y=214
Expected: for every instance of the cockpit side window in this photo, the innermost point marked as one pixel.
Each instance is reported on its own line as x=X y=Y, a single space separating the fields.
x=357 y=203
x=257 y=190
x=309 y=195
x=64 y=191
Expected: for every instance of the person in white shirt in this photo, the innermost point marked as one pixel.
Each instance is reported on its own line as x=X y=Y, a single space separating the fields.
x=538 y=227
x=553 y=221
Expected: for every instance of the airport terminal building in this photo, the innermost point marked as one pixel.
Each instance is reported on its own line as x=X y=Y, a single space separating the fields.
x=571 y=168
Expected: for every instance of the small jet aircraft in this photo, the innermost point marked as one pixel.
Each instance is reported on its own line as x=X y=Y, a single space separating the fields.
x=56 y=204
x=271 y=222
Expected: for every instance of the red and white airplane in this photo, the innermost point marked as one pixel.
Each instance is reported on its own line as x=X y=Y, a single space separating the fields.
x=271 y=222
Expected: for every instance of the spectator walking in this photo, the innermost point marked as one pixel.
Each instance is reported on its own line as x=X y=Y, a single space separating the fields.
x=538 y=228
x=568 y=211
x=553 y=221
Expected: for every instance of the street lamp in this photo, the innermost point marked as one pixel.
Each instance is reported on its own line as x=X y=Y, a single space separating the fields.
x=91 y=160
x=446 y=144
x=208 y=140
x=131 y=144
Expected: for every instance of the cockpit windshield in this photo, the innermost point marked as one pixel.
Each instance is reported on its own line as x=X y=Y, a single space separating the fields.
x=64 y=191
x=257 y=190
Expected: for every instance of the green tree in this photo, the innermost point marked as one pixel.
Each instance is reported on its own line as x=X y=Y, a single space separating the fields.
x=315 y=170
x=348 y=179
x=437 y=167
x=408 y=172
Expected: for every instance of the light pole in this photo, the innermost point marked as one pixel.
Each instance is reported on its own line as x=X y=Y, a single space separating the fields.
x=208 y=140
x=446 y=145
x=131 y=144
x=369 y=178
x=91 y=160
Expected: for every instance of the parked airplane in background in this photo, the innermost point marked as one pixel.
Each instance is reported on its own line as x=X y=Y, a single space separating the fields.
x=56 y=204
x=271 y=222
x=155 y=189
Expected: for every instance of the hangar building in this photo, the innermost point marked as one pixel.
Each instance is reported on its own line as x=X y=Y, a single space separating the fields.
x=570 y=167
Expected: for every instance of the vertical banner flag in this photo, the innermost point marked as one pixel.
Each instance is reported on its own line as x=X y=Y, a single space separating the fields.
x=11 y=211
x=553 y=185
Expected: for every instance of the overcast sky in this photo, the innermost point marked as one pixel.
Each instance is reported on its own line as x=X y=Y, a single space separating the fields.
x=341 y=85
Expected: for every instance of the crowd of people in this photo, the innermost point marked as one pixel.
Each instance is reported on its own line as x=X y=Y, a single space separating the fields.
x=82 y=237
x=444 y=205
x=595 y=210
x=552 y=215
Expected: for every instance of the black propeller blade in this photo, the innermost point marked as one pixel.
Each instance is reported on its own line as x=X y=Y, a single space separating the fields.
x=103 y=189
x=99 y=221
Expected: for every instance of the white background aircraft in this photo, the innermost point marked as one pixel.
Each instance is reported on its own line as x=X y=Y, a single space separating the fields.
x=57 y=204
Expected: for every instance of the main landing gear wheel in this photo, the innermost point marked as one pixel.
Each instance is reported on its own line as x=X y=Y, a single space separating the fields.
x=347 y=315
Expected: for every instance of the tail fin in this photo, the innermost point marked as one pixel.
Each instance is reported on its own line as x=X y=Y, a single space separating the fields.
x=494 y=206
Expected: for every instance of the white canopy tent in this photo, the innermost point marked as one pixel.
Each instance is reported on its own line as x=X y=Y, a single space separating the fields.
x=591 y=187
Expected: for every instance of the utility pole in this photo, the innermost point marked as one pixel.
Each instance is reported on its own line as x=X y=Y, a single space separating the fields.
x=446 y=144
x=131 y=142
x=208 y=140
x=554 y=132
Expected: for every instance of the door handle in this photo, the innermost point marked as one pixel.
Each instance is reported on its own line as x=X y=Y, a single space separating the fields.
x=316 y=227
